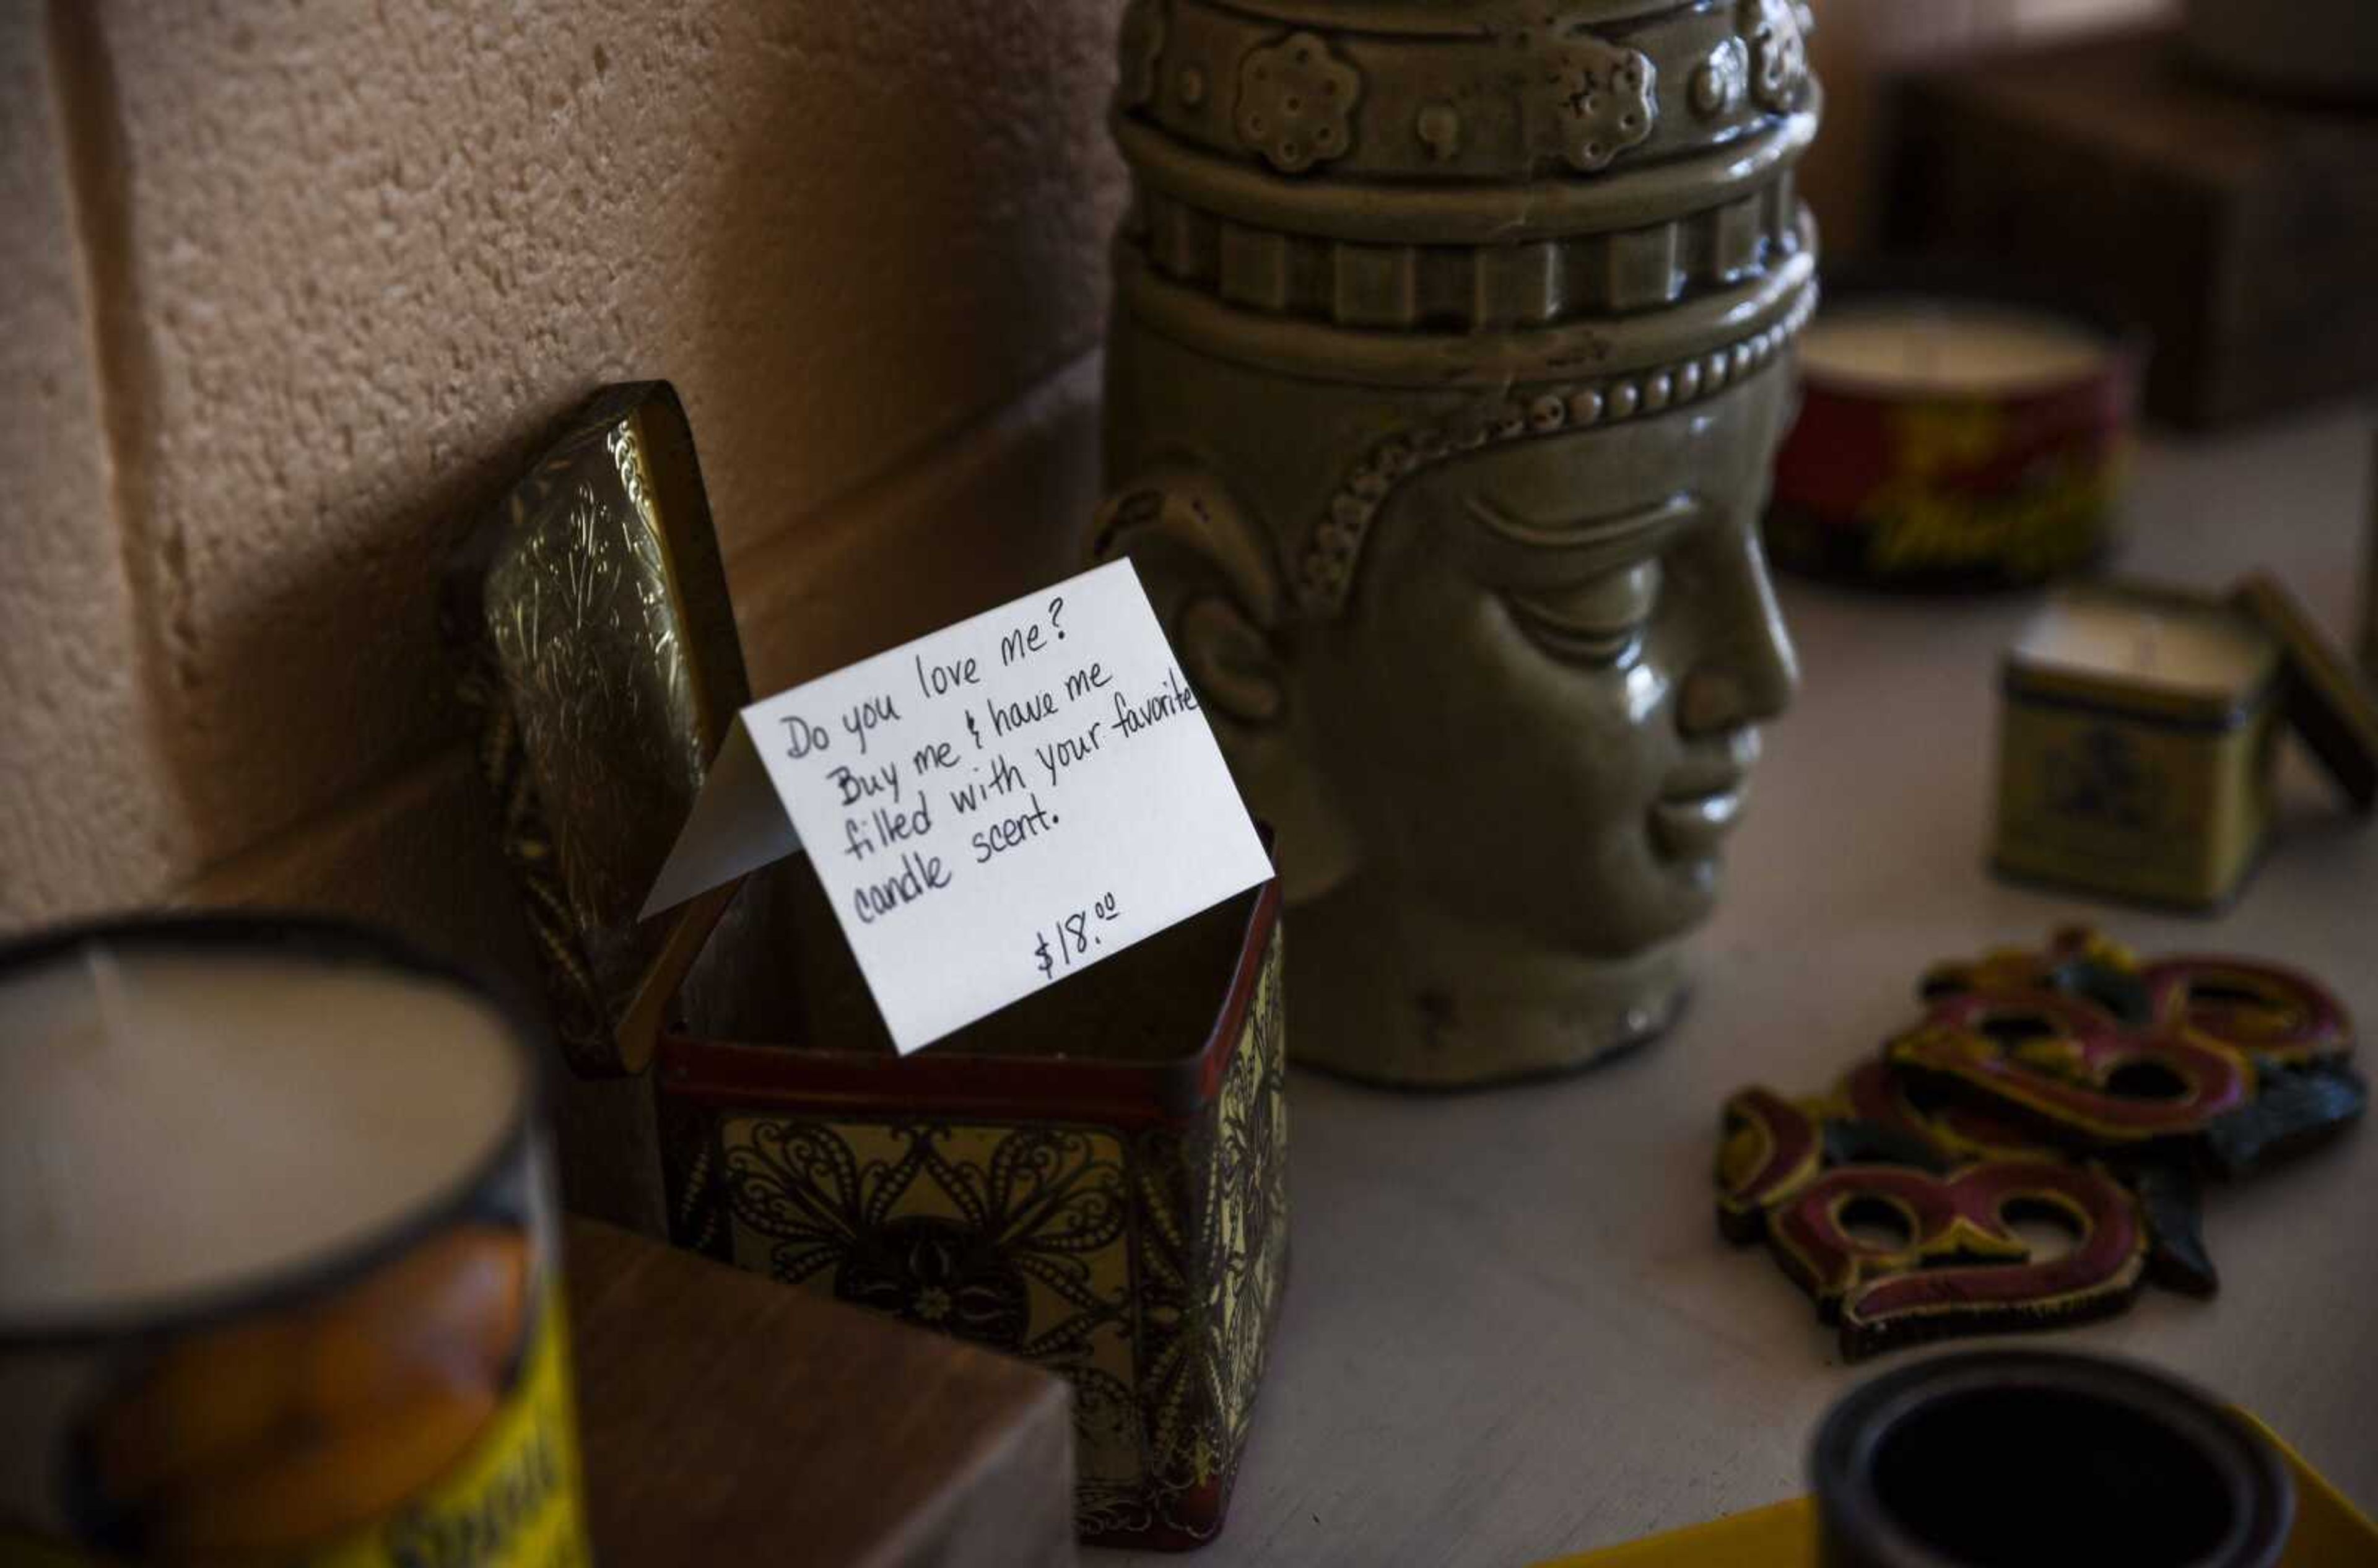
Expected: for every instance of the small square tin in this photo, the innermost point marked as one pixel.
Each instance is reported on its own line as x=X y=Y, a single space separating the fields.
x=2135 y=745
x=1093 y=1180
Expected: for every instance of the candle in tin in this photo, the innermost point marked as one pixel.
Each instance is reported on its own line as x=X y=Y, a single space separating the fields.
x=276 y=1256
x=2140 y=724
x=1947 y=347
x=1951 y=440
x=2135 y=745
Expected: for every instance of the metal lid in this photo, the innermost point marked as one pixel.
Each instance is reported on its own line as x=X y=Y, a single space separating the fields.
x=2324 y=700
x=595 y=649
x=2154 y=652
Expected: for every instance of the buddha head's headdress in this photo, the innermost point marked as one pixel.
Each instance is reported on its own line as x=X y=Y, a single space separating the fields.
x=1367 y=235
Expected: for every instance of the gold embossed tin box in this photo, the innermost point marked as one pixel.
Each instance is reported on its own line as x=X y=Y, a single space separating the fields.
x=2140 y=726
x=1093 y=1179
x=2135 y=745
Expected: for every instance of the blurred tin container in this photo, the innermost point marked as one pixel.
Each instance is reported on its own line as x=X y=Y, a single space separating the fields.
x=1952 y=435
x=1093 y=1179
x=2139 y=733
x=299 y=1299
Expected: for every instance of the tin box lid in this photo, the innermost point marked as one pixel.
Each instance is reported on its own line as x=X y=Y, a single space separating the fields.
x=596 y=651
x=2324 y=700
x=2157 y=652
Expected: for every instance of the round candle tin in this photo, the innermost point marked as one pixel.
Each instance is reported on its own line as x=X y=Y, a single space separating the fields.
x=280 y=1255
x=1953 y=435
x=2007 y=1456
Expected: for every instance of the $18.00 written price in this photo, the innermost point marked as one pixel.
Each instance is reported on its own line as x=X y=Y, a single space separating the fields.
x=1073 y=938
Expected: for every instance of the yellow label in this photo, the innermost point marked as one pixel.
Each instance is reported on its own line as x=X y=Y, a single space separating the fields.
x=513 y=1502
x=2127 y=806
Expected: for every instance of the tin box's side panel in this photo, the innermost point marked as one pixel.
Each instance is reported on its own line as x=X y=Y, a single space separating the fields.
x=2145 y=810
x=2245 y=769
x=1213 y=1261
x=1248 y=1169
x=1145 y=1266
x=1014 y=1235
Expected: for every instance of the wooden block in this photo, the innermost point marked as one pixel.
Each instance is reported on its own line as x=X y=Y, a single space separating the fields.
x=2242 y=230
x=726 y=1418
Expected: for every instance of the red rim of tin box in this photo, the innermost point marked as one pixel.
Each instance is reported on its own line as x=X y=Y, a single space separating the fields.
x=1892 y=488
x=1128 y=1093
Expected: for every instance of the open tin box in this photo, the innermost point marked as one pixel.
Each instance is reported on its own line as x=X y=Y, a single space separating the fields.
x=2139 y=730
x=1092 y=1178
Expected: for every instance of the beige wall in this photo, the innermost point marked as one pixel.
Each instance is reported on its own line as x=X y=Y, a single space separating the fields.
x=1859 y=44
x=294 y=289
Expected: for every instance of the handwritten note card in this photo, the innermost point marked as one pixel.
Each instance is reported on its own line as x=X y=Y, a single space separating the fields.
x=990 y=808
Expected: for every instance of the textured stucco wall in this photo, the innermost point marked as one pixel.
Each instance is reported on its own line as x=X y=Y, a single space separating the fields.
x=295 y=287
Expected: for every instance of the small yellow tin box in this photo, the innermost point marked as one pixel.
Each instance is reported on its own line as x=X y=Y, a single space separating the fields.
x=2139 y=730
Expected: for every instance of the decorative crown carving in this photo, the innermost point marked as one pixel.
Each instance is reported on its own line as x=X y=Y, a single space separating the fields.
x=1582 y=209
x=1596 y=98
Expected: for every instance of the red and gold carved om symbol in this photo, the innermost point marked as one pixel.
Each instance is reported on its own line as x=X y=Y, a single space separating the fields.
x=2073 y=1083
x=1957 y=1264
x=2085 y=1048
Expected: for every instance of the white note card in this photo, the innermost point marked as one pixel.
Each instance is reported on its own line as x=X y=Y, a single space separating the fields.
x=992 y=808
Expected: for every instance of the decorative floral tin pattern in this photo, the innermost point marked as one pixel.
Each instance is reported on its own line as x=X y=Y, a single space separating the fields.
x=1144 y=1262
x=588 y=618
x=1214 y=1211
x=1015 y=1236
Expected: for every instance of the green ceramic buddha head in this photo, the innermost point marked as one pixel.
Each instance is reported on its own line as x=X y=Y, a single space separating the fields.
x=1446 y=366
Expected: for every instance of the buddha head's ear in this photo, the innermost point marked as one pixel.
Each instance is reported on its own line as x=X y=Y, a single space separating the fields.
x=1214 y=577
x=1216 y=586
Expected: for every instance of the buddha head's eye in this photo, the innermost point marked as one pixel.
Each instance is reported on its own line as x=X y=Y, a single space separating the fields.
x=1598 y=621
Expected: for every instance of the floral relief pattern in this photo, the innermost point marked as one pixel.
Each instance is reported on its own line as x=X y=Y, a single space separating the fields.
x=1593 y=99
x=1141 y=46
x=1779 y=59
x=1720 y=80
x=1296 y=100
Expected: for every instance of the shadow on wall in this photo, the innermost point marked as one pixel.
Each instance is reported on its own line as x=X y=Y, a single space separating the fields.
x=848 y=234
x=963 y=224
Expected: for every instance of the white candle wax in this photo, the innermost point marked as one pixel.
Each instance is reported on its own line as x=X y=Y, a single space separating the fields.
x=2166 y=645
x=178 y=1122
x=1951 y=346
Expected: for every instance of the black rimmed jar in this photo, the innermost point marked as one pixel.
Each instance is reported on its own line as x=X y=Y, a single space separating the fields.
x=278 y=1254
x=2039 y=1458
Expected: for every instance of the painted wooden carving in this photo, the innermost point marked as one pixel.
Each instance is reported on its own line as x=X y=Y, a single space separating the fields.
x=2226 y=1062
x=1956 y=1264
x=1898 y=1245
x=2073 y=1083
